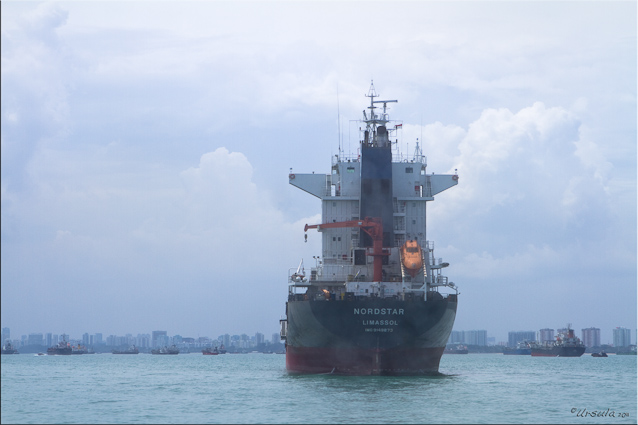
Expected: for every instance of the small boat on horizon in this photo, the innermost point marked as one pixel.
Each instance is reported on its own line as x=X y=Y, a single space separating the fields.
x=522 y=349
x=459 y=349
x=210 y=351
x=131 y=350
x=166 y=350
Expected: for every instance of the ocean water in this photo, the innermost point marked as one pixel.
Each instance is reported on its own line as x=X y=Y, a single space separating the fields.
x=255 y=388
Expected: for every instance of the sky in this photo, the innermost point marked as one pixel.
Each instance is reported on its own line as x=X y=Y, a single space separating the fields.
x=146 y=148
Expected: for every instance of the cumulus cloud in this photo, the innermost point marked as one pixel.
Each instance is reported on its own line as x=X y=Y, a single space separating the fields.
x=525 y=166
x=204 y=232
x=532 y=208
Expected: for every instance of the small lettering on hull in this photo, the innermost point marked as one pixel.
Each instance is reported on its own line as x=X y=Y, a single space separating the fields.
x=380 y=322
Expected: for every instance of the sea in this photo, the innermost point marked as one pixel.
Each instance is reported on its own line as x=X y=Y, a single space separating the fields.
x=255 y=388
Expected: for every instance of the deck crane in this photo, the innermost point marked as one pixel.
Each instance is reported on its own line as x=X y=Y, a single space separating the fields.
x=372 y=226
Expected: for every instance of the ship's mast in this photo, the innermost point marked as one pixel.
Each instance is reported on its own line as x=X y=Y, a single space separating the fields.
x=418 y=152
x=371 y=136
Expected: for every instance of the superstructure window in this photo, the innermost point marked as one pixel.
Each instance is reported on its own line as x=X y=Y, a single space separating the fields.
x=409 y=170
x=350 y=169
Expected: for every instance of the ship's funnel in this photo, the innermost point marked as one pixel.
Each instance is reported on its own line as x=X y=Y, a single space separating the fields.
x=376 y=191
x=382 y=137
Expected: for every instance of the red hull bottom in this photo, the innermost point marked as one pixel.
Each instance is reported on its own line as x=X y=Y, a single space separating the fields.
x=359 y=361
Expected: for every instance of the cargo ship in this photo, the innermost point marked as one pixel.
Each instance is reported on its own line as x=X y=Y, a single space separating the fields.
x=459 y=349
x=7 y=348
x=64 y=348
x=376 y=302
x=210 y=351
x=131 y=350
x=566 y=345
x=166 y=350
x=522 y=349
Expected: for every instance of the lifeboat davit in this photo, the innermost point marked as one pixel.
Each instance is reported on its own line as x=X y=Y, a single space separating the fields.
x=412 y=257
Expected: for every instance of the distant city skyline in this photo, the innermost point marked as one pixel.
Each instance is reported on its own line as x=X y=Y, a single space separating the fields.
x=141 y=340
x=619 y=335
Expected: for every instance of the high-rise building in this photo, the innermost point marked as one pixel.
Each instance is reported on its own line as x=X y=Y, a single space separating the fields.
x=546 y=335
x=456 y=337
x=468 y=337
x=225 y=339
x=475 y=338
x=235 y=340
x=111 y=341
x=85 y=339
x=622 y=337
x=159 y=338
x=591 y=337
x=48 y=338
x=515 y=337
x=244 y=341
x=143 y=340
x=6 y=334
x=259 y=338
x=35 y=339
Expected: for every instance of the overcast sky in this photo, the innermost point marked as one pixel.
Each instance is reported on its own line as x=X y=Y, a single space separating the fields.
x=146 y=148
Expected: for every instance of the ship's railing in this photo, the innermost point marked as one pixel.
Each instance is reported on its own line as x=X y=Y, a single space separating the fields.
x=441 y=280
x=398 y=207
x=335 y=270
x=345 y=158
x=396 y=157
x=345 y=261
x=411 y=159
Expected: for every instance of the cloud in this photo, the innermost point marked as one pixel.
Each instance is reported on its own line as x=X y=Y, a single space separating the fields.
x=35 y=109
x=532 y=211
x=524 y=166
x=152 y=236
x=145 y=149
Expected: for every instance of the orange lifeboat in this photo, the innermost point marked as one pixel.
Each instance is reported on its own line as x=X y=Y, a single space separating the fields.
x=412 y=257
